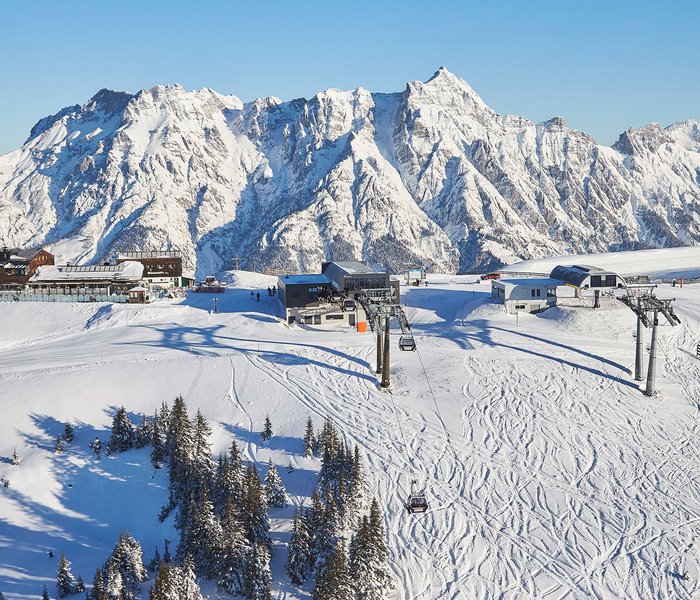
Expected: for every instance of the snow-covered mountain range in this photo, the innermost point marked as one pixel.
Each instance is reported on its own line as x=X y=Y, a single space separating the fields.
x=428 y=175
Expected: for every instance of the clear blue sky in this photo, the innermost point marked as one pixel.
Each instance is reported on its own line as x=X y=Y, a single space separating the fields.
x=602 y=65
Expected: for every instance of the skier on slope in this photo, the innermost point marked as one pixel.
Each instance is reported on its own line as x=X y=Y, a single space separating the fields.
x=258 y=295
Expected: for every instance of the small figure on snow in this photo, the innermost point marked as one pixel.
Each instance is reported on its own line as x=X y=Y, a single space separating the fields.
x=269 y=291
x=258 y=295
x=274 y=290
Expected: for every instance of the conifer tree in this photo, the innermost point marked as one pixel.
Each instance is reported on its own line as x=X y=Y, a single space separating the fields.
x=2 y=596
x=163 y=587
x=254 y=509
x=166 y=552
x=98 y=587
x=314 y=520
x=203 y=468
x=122 y=432
x=157 y=444
x=299 y=561
x=58 y=446
x=275 y=493
x=332 y=577
x=144 y=433
x=369 y=569
x=64 y=578
x=188 y=588
x=233 y=553
x=15 y=462
x=45 y=594
x=79 y=585
x=257 y=579
x=236 y=473
x=201 y=538
x=114 y=583
x=180 y=449
x=154 y=564
x=68 y=433
x=309 y=441
x=267 y=429
x=127 y=560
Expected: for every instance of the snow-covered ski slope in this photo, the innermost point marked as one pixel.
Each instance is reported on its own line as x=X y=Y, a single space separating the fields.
x=549 y=474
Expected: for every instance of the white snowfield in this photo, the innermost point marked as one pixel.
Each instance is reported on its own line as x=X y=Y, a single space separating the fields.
x=549 y=474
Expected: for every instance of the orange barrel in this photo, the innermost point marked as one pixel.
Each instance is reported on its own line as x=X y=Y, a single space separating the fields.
x=361 y=326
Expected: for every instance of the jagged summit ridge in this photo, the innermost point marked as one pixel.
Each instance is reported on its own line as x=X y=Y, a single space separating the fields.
x=427 y=175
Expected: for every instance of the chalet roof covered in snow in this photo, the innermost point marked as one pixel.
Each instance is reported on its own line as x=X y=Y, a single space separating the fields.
x=126 y=271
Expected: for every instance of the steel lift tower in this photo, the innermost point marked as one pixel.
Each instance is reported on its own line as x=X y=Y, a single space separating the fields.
x=647 y=309
x=379 y=306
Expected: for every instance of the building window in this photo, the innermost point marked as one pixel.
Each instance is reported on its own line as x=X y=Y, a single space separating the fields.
x=519 y=307
x=335 y=317
x=595 y=280
x=538 y=292
x=610 y=280
x=313 y=293
x=551 y=292
x=532 y=292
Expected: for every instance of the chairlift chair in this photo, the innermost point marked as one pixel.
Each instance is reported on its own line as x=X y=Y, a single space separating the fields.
x=349 y=304
x=407 y=343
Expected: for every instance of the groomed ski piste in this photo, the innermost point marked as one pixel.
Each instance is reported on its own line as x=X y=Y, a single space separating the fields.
x=548 y=473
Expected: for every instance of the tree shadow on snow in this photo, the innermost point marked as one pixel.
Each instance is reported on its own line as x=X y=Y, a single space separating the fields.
x=79 y=507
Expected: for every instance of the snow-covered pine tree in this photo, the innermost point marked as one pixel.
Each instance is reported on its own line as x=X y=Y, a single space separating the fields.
x=154 y=563
x=187 y=586
x=236 y=473
x=257 y=579
x=333 y=577
x=122 y=437
x=309 y=440
x=58 y=446
x=45 y=594
x=203 y=467
x=299 y=561
x=254 y=509
x=163 y=588
x=79 y=585
x=267 y=429
x=314 y=520
x=233 y=553
x=99 y=591
x=275 y=493
x=15 y=461
x=379 y=550
x=68 y=433
x=201 y=538
x=157 y=444
x=127 y=559
x=166 y=552
x=114 y=584
x=64 y=578
x=180 y=448
x=144 y=433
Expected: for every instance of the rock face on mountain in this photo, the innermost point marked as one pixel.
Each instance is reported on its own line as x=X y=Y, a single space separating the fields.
x=429 y=175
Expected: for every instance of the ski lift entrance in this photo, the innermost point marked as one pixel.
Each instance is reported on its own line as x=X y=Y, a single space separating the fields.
x=407 y=343
x=417 y=502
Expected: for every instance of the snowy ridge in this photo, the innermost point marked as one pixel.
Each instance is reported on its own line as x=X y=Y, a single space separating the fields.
x=428 y=175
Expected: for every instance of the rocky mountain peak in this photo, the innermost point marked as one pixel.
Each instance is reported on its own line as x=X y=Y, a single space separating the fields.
x=431 y=175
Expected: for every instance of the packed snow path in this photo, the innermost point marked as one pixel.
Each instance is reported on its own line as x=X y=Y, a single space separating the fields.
x=552 y=477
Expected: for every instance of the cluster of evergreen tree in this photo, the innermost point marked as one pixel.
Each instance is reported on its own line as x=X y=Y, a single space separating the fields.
x=318 y=546
x=176 y=582
x=222 y=510
x=66 y=583
x=125 y=435
x=122 y=574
